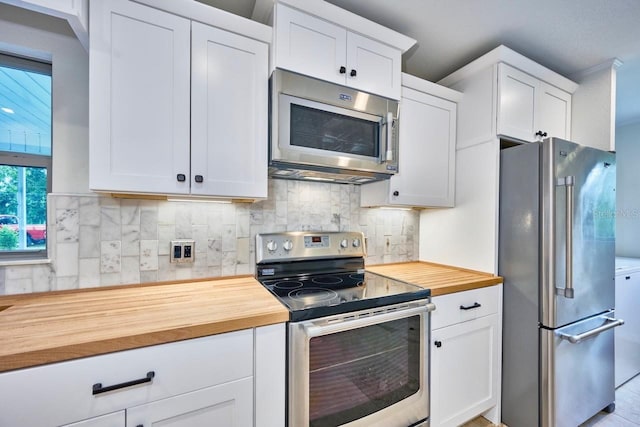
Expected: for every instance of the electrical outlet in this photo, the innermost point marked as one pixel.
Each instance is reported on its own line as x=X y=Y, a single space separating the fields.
x=182 y=251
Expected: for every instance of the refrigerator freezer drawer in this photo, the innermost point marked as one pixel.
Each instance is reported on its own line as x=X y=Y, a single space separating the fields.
x=576 y=371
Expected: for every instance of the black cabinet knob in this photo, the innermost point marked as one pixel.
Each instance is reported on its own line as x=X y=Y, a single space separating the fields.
x=353 y=73
x=438 y=343
x=181 y=177
x=199 y=179
x=343 y=69
x=396 y=193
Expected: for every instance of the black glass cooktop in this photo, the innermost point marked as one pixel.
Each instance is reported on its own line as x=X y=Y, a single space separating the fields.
x=318 y=295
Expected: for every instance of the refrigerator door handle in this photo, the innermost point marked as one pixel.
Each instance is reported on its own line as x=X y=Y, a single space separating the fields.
x=575 y=339
x=568 y=182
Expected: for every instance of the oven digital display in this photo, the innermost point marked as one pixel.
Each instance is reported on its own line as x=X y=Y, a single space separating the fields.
x=321 y=241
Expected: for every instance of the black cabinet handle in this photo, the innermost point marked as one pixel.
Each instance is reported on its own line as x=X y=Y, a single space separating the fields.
x=139 y=425
x=98 y=388
x=396 y=193
x=470 y=307
x=438 y=343
x=181 y=177
x=627 y=277
x=353 y=73
x=542 y=134
x=343 y=69
x=199 y=178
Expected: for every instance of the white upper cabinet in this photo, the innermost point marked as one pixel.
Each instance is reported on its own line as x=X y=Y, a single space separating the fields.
x=140 y=94
x=228 y=114
x=311 y=46
x=318 y=48
x=160 y=124
x=555 y=111
x=427 y=150
x=373 y=67
x=530 y=109
x=507 y=95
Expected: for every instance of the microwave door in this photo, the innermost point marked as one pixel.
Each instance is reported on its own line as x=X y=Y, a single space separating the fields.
x=320 y=134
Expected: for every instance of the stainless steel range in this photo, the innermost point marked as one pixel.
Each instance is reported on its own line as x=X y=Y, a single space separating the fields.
x=357 y=341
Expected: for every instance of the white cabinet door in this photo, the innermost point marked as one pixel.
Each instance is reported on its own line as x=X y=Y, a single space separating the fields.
x=427 y=156
x=311 y=46
x=373 y=67
x=426 y=153
x=139 y=91
x=517 y=103
x=464 y=370
x=116 y=419
x=317 y=48
x=228 y=114
x=530 y=109
x=554 y=115
x=228 y=405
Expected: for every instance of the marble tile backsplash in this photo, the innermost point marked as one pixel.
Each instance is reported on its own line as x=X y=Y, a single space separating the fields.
x=100 y=241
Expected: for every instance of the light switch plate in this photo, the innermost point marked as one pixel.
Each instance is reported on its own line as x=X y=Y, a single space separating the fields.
x=182 y=251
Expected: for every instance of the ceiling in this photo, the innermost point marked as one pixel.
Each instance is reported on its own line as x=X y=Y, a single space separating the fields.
x=567 y=36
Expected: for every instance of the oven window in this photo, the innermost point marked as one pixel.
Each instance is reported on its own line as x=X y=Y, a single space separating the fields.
x=324 y=130
x=358 y=372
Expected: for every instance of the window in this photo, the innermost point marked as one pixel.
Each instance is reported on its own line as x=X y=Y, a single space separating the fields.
x=25 y=156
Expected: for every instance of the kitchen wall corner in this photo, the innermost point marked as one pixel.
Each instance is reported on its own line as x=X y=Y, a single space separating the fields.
x=97 y=240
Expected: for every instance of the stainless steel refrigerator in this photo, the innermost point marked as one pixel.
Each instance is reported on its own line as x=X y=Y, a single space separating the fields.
x=557 y=257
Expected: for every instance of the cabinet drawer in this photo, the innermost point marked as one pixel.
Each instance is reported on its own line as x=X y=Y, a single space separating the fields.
x=462 y=306
x=61 y=393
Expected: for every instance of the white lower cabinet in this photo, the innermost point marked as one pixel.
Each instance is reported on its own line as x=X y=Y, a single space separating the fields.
x=229 y=405
x=203 y=381
x=117 y=419
x=465 y=357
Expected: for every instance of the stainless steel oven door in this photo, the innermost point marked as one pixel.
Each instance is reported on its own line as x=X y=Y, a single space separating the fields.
x=367 y=368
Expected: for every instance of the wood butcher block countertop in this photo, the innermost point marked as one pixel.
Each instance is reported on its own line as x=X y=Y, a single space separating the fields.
x=51 y=327
x=441 y=279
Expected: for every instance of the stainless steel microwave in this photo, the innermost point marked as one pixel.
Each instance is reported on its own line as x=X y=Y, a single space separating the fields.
x=327 y=132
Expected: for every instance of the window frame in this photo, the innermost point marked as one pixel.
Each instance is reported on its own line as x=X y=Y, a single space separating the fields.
x=11 y=158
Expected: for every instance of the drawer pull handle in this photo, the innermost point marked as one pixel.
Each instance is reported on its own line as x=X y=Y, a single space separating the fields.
x=471 y=307
x=98 y=388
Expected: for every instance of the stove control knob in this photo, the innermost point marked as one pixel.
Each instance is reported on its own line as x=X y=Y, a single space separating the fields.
x=272 y=246
x=356 y=243
x=344 y=243
x=287 y=245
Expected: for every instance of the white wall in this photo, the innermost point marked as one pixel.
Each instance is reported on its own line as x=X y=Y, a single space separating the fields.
x=628 y=190
x=32 y=34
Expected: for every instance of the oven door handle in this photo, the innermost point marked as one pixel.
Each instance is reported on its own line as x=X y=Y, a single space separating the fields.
x=313 y=329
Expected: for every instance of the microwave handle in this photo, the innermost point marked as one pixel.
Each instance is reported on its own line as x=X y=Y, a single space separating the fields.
x=386 y=152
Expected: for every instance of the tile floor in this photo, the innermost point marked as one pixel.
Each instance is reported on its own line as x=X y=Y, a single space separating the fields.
x=627 y=413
